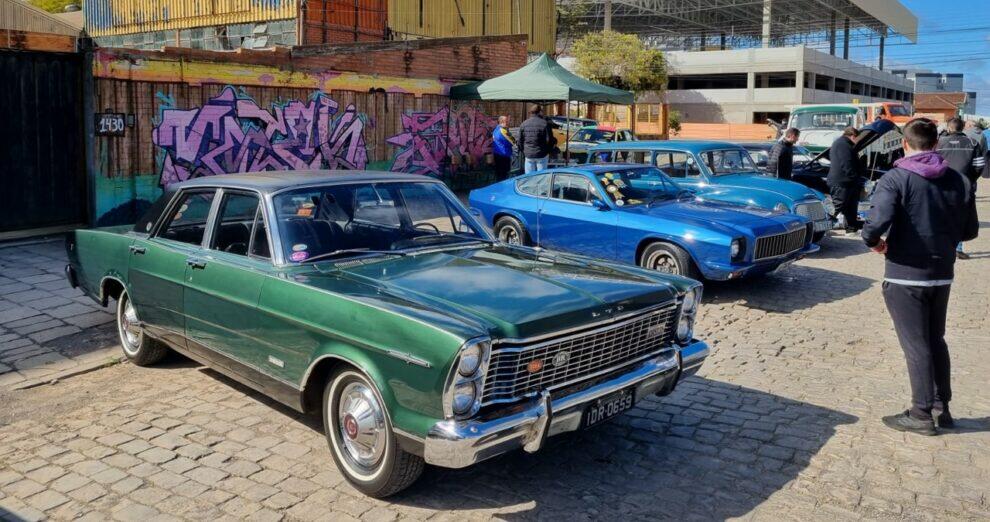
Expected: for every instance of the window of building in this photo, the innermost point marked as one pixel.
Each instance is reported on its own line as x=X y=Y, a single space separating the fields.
x=841 y=85
x=707 y=81
x=823 y=82
x=807 y=80
x=776 y=79
x=876 y=91
x=856 y=88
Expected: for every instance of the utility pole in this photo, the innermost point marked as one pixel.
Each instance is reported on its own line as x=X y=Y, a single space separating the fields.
x=608 y=15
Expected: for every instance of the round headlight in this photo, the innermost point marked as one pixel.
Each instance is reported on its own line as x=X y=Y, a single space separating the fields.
x=470 y=360
x=464 y=396
x=734 y=248
x=684 y=328
x=690 y=301
x=781 y=207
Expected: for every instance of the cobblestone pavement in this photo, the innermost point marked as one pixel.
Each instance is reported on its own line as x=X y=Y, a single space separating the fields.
x=47 y=330
x=782 y=423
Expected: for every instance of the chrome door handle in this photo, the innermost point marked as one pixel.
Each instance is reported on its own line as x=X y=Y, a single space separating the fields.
x=196 y=263
x=137 y=250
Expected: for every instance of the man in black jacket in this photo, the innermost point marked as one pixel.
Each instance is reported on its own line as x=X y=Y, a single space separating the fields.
x=536 y=139
x=780 y=161
x=925 y=208
x=845 y=178
x=965 y=155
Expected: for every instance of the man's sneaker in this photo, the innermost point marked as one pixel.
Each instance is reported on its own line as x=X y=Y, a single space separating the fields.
x=905 y=422
x=943 y=419
x=961 y=255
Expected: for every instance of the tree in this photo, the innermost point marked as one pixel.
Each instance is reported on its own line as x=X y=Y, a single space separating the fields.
x=674 y=122
x=620 y=60
x=53 y=6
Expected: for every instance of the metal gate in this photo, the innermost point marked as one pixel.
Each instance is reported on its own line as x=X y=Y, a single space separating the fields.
x=42 y=169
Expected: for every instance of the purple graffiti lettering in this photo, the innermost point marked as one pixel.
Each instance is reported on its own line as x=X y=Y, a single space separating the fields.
x=231 y=133
x=429 y=138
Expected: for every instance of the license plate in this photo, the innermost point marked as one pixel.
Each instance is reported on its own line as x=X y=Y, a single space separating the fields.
x=608 y=406
x=823 y=226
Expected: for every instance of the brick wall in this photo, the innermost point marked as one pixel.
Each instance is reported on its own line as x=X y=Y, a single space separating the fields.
x=468 y=58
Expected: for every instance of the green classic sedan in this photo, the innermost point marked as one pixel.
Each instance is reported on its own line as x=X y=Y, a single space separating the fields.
x=379 y=302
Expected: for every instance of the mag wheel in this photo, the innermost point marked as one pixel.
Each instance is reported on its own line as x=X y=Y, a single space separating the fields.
x=669 y=259
x=509 y=230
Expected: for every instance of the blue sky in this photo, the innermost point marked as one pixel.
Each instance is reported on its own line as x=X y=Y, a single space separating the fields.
x=953 y=37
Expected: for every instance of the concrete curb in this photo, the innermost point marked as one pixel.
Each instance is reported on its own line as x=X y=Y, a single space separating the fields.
x=92 y=363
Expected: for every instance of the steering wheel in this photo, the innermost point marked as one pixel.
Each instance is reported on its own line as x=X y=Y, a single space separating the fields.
x=425 y=224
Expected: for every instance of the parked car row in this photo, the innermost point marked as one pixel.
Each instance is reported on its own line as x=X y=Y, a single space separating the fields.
x=424 y=332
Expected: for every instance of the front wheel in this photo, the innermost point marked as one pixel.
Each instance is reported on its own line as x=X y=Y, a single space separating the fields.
x=509 y=230
x=138 y=347
x=361 y=439
x=669 y=259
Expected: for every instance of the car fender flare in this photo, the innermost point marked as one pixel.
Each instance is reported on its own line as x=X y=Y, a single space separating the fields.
x=643 y=243
x=503 y=212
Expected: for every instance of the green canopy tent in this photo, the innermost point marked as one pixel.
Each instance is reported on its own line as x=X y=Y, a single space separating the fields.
x=542 y=80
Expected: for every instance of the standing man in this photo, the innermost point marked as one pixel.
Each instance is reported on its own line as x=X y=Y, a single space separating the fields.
x=965 y=155
x=925 y=208
x=780 y=161
x=502 y=144
x=536 y=139
x=845 y=179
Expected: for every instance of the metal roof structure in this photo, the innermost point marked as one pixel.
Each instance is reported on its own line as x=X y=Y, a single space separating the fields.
x=749 y=23
x=21 y=16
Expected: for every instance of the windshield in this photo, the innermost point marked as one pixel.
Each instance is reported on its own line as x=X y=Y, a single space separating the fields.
x=822 y=120
x=898 y=110
x=728 y=161
x=348 y=220
x=636 y=186
x=593 y=135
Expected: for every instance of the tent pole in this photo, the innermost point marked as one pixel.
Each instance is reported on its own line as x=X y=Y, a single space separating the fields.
x=567 y=131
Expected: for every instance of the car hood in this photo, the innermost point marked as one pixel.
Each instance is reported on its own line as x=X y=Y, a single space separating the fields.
x=722 y=217
x=869 y=134
x=510 y=292
x=788 y=189
x=582 y=145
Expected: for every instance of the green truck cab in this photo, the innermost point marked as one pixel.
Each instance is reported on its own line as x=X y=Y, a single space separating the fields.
x=377 y=301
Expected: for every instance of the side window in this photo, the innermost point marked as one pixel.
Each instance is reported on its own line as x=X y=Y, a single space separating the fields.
x=375 y=204
x=538 y=186
x=187 y=224
x=677 y=164
x=427 y=211
x=259 y=246
x=235 y=223
x=639 y=156
x=570 y=187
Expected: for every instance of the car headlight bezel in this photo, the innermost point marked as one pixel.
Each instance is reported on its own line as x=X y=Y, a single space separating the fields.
x=782 y=207
x=463 y=382
x=737 y=249
x=684 y=332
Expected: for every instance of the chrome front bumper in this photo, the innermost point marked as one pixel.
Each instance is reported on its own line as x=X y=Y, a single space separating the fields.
x=458 y=444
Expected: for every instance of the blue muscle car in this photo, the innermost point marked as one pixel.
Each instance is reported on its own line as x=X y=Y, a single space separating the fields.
x=721 y=171
x=638 y=215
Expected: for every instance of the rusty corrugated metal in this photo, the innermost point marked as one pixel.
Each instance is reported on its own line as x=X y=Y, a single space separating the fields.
x=114 y=17
x=19 y=16
x=340 y=21
x=448 y=18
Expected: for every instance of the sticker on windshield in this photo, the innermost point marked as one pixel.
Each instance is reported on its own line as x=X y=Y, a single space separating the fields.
x=619 y=202
x=305 y=212
x=299 y=256
x=298 y=247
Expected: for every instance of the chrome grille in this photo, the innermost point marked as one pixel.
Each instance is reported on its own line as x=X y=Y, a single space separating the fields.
x=780 y=244
x=587 y=353
x=814 y=211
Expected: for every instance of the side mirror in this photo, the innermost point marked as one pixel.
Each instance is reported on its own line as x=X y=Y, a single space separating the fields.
x=599 y=204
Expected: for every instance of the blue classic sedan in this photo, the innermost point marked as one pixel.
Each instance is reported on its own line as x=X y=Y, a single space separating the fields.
x=636 y=214
x=723 y=172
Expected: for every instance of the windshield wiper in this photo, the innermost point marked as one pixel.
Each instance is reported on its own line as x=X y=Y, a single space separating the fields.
x=444 y=237
x=658 y=197
x=346 y=251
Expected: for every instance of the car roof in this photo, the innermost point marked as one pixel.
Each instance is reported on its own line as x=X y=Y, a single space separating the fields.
x=595 y=168
x=683 y=145
x=274 y=181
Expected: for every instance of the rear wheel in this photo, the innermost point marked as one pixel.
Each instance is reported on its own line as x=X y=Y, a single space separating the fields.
x=138 y=347
x=361 y=439
x=510 y=230
x=669 y=259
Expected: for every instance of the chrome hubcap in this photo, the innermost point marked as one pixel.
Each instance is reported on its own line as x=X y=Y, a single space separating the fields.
x=508 y=235
x=129 y=329
x=663 y=262
x=361 y=422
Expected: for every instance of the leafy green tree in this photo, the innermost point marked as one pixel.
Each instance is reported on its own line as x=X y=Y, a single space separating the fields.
x=674 y=122
x=620 y=60
x=53 y=6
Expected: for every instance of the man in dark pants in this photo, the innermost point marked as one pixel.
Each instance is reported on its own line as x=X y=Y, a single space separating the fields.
x=925 y=208
x=535 y=139
x=845 y=178
x=966 y=154
x=780 y=161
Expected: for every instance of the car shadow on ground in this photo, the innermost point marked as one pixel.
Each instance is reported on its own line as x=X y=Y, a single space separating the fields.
x=711 y=450
x=797 y=287
x=839 y=246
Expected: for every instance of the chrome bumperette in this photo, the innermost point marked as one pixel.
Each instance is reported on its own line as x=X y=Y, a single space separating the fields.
x=457 y=444
x=572 y=358
x=776 y=245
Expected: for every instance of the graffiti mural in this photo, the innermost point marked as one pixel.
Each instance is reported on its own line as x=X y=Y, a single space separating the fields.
x=430 y=139
x=231 y=133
